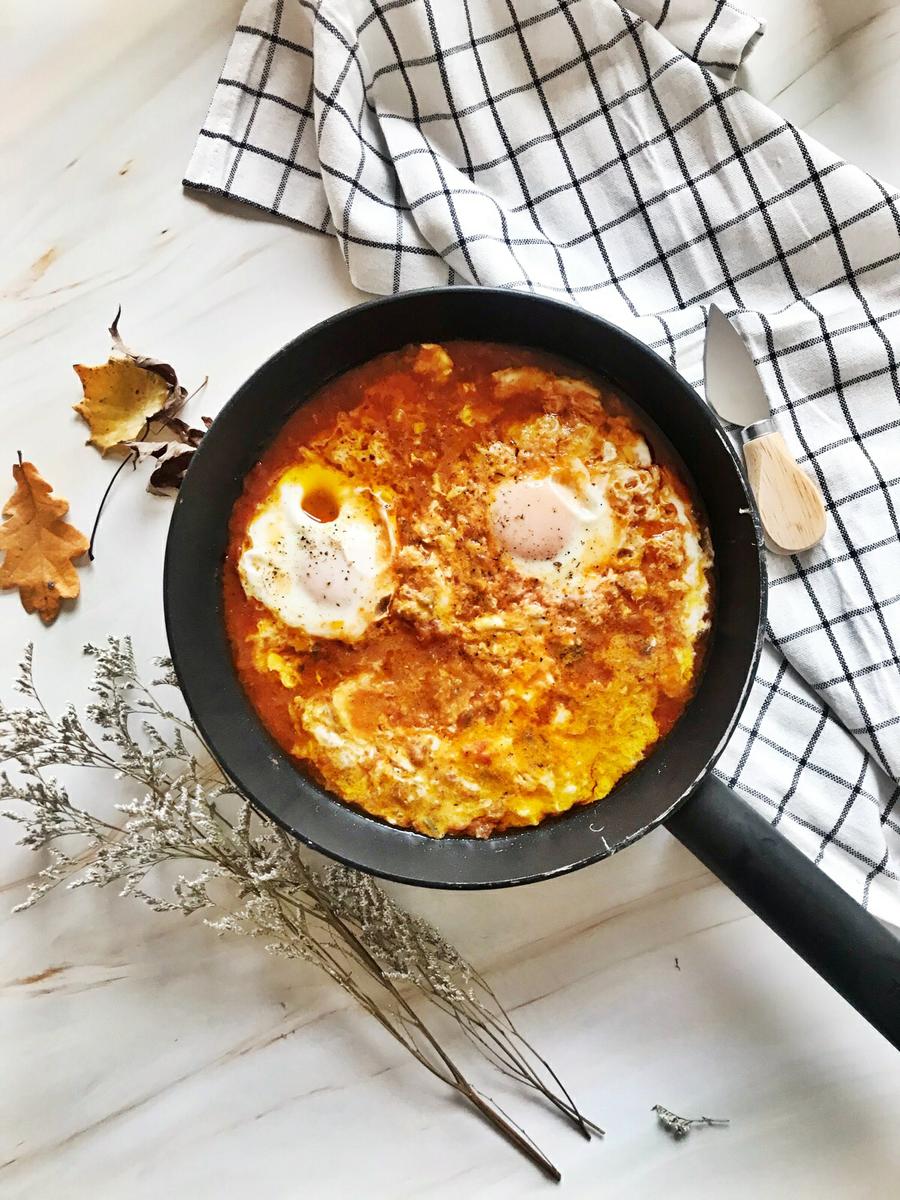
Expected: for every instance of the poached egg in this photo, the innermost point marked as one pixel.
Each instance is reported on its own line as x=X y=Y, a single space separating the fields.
x=319 y=553
x=550 y=531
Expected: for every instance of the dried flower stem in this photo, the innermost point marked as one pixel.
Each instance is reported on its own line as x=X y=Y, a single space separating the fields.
x=337 y=918
x=680 y=1127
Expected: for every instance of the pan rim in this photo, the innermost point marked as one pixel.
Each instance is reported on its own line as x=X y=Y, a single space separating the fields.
x=424 y=873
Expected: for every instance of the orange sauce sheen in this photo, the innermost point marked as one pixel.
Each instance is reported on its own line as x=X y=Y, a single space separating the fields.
x=620 y=672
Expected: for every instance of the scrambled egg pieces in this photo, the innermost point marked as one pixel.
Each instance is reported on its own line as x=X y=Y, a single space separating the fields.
x=549 y=592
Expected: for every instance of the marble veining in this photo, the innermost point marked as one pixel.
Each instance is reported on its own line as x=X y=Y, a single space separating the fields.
x=142 y=1056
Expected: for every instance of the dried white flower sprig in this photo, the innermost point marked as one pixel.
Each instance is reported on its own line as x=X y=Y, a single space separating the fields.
x=248 y=875
x=680 y=1127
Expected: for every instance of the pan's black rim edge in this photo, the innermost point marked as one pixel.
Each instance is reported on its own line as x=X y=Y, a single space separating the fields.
x=312 y=843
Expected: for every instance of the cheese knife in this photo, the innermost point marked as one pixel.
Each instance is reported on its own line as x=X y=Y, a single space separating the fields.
x=790 y=504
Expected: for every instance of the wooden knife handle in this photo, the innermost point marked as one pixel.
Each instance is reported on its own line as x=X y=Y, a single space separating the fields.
x=790 y=505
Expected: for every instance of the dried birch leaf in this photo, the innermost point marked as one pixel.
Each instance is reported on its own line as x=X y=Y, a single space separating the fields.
x=125 y=394
x=170 y=457
x=39 y=545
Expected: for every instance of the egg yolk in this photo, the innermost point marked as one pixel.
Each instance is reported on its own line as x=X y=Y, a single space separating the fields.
x=531 y=520
x=322 y=504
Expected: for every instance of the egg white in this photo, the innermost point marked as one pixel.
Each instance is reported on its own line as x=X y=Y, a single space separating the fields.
x=328 y=578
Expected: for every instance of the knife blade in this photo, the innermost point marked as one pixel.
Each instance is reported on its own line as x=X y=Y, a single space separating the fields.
x=790 y=504
x=733 y=385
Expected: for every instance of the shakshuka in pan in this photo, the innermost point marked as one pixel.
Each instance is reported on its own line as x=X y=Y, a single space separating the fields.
x=463 y=591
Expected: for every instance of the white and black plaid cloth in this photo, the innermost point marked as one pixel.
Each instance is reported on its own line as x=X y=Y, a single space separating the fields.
x=602 y=152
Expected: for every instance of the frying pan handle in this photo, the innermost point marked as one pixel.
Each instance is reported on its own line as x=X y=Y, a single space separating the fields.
x=842 y=942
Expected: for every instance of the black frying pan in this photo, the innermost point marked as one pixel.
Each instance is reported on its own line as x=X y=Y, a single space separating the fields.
x=835 y=935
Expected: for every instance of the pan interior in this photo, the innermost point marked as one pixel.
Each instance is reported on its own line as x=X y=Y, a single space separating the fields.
x=202 y=657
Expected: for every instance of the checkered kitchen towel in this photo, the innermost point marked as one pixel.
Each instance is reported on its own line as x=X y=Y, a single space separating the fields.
x=601 y=152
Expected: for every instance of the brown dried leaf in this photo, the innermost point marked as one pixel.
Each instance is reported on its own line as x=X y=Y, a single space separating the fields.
x=172 y=456
x=125 y=394
x=39 y=545
x=170 y=461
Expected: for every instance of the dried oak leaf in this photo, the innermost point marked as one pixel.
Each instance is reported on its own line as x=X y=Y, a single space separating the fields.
x=125 y=394
x=39 y=545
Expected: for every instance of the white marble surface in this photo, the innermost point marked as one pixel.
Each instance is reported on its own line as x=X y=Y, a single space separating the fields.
x=142 y=1057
